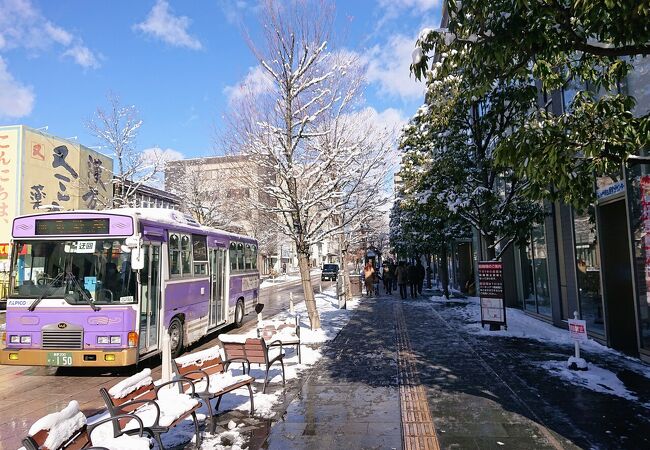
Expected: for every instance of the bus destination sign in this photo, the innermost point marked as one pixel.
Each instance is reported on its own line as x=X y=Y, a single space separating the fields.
x=68 y=227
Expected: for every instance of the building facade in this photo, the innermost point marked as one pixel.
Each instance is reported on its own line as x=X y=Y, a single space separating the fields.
x=594 y=262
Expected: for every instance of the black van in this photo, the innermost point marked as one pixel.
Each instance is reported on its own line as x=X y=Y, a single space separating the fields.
x=330 y=272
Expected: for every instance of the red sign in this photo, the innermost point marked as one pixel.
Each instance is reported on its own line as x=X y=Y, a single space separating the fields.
x=37 y=152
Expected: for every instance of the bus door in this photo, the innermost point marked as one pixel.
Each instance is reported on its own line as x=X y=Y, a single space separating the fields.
x=217 y=286
x=150 y=299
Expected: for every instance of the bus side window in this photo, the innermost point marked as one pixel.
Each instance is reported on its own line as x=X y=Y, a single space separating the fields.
x=233 y=257
x=240 y=256
x=186 y=255
x=200 y=254
x=174 y=254
x=254 y=247
x=248 y=257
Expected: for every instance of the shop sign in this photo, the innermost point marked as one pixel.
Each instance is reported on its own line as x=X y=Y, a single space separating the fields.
x=610 y=190
x=578 y=330
x=490 y=278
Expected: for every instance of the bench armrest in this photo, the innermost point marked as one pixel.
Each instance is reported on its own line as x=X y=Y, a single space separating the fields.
x=177 y=380
x=92 y=427
x=135 y=402
x=204 y=375
x=226 y=363
x=275 y=343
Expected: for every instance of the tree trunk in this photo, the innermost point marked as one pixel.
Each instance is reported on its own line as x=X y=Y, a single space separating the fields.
x=428 y=270
x=310 y=301
x=490 y=251
x=444 y=273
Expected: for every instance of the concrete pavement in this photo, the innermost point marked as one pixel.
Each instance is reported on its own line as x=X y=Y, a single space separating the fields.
x=406 y=374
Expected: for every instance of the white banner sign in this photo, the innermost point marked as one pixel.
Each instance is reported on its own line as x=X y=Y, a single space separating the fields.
x=578 y=330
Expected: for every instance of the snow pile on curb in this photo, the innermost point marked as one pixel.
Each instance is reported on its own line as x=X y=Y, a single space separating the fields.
x=596 y=379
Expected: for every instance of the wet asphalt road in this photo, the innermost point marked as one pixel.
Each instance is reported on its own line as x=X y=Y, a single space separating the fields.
x=29 y=393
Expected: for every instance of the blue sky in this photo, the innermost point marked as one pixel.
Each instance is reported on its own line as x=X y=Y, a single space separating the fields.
x=178 y=62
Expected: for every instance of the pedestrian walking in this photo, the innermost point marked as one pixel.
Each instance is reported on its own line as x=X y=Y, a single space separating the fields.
x=401 y=277
x=412 y=279
x=369 y=278
x=376 y=280
x=420 y=273
x=387 y=275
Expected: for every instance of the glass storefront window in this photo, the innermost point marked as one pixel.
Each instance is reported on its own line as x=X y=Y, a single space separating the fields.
x=534 y=273
x=588 y=271
x=638 y=85
x=639 y=197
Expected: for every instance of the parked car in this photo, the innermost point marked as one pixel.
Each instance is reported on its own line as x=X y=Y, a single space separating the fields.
x=330 y=272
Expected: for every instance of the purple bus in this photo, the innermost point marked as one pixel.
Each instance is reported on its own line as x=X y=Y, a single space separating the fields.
x=92 y=288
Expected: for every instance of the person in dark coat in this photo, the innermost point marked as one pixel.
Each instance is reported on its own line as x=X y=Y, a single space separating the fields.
x=387 y=275
x=412 y=279
x=420 y=273
x=401 y=277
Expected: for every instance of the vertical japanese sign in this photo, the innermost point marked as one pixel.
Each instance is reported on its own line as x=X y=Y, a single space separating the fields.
x=8 y=164
x=58 y=172
x=644 y=185
x=490 y=278
x=95 y=174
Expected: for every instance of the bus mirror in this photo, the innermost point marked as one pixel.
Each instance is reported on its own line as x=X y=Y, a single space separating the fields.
x=137 y=258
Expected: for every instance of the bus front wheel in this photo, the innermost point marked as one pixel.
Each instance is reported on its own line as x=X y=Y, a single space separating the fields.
x=176 y=337
x=239 y=314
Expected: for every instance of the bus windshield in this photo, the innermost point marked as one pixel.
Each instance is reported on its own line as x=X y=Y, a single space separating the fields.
x=81 y=271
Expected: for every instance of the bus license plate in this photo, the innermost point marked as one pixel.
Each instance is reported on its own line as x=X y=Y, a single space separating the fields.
x=59 y=359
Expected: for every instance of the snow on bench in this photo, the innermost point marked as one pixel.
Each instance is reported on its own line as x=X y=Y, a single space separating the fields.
x=60 y=426
x=133 y=383
x=198 y=358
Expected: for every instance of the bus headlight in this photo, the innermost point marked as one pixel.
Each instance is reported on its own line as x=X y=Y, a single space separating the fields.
x=25 y=339
x=14 y=339
x=103 y=340
x=116 y=340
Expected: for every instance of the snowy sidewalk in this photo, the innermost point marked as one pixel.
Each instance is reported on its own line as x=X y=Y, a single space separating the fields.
x=349 y=399
x=475 y=389
x=520 y=373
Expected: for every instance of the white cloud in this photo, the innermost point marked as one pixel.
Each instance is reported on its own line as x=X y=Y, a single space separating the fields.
x=388 y=67
x=156 y=154
x=394 y=8
x=418 y=6
x=257 y=81
x=236 y=10
x=16 y=100
x=82 y=56
x=390 y=119
x=24 y=26
x=162 y=24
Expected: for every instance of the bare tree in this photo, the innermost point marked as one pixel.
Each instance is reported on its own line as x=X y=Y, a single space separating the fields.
x=302 y=132
x=117 y=128
x=202 y=196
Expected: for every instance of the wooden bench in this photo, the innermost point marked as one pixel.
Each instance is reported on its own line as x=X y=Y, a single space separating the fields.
x=255 y=351
x=211 y=378
x=159 y=410
x=287 y=333
x=68 y=430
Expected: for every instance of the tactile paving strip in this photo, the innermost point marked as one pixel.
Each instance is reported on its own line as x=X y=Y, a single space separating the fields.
x=418 y=429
